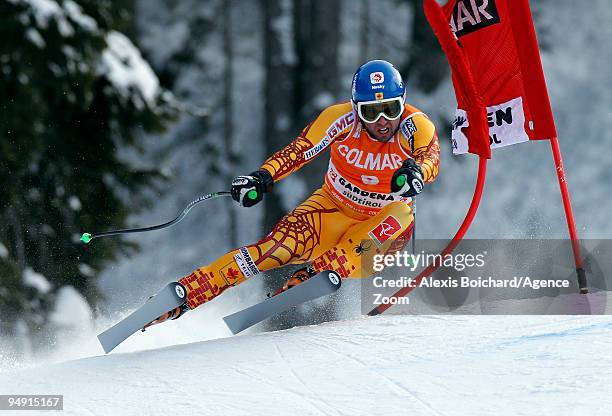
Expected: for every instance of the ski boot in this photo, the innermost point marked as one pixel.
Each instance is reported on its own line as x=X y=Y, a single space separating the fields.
x=299 y=276
x=170 y=315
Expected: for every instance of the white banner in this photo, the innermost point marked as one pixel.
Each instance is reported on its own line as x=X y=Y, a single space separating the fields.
x=506 y=126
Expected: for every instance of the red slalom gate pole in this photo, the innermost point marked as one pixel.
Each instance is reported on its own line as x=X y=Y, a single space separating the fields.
x=569 y=215
x=469 y=217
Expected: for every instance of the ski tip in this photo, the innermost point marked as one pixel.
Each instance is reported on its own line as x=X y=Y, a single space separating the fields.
x=230 y=325
x=105 y=347
x=86 y=238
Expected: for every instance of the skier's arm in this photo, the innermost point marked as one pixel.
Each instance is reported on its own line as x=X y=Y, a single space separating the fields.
x=426 y=147
x=332 y=124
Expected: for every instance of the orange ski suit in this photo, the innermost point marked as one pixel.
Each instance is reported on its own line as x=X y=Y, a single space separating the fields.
x=352 y=212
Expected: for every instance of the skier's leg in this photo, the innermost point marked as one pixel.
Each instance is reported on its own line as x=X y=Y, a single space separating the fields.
x=295 y=239
x=386 y=232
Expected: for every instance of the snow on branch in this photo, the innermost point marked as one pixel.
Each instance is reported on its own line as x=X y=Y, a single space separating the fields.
x=36 y=280
x=127 y=71
x=67 y=15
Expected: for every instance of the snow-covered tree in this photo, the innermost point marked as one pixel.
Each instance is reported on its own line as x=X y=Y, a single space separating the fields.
x=73 y=91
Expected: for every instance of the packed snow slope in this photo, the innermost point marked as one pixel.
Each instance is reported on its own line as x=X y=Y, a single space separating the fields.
x=405 y=365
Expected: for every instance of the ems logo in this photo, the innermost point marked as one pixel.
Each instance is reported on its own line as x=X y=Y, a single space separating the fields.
x=377 y=77
x=472 y=15
x=379 y=95
x=385 y=230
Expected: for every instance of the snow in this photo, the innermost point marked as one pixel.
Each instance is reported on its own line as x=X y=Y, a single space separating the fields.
x=126 y=69
x=86 y=270
x=23 y=78
x=36 y=280
x=283 y=26
x=3 y=251
x=71 y=309
x=74 y=202
x=34 y=36
x=293 y=191
x=43 y=10
x=425 y=365
x=46 y=229
x=323 y=99
x=76 y=14
x=46 y=10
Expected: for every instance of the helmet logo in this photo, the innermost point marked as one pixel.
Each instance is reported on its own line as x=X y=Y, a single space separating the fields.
x=379 y=95
x=377 y=77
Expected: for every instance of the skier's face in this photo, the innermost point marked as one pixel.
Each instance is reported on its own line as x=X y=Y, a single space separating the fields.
x=382 y=129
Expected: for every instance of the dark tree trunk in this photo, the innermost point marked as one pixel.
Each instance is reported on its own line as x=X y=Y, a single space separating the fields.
x=427 y=65
x=364 y=18
x=317 y=36
x=228 y=110
x=279 y=89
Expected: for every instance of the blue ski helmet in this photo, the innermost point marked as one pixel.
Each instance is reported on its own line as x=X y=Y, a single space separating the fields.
x=376 y=80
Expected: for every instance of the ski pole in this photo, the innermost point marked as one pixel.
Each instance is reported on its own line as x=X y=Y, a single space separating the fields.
x=87 y=237
x=401 y=181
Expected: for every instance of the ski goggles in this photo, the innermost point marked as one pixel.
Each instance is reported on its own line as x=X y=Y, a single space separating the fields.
x=371 y=111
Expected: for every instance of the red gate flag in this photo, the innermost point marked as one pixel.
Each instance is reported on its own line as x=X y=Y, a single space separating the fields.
x=497 y=42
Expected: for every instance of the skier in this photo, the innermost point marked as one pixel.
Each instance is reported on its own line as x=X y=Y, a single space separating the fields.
x=383 y=150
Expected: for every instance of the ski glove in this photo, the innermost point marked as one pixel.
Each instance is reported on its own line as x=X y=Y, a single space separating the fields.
x=407 y=181
x=248 y=190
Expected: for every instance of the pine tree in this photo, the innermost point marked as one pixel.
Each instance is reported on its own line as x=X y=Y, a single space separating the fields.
x=73 y=91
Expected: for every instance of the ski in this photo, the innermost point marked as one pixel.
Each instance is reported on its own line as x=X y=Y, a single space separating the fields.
x=171 y=296
x=319 y=285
